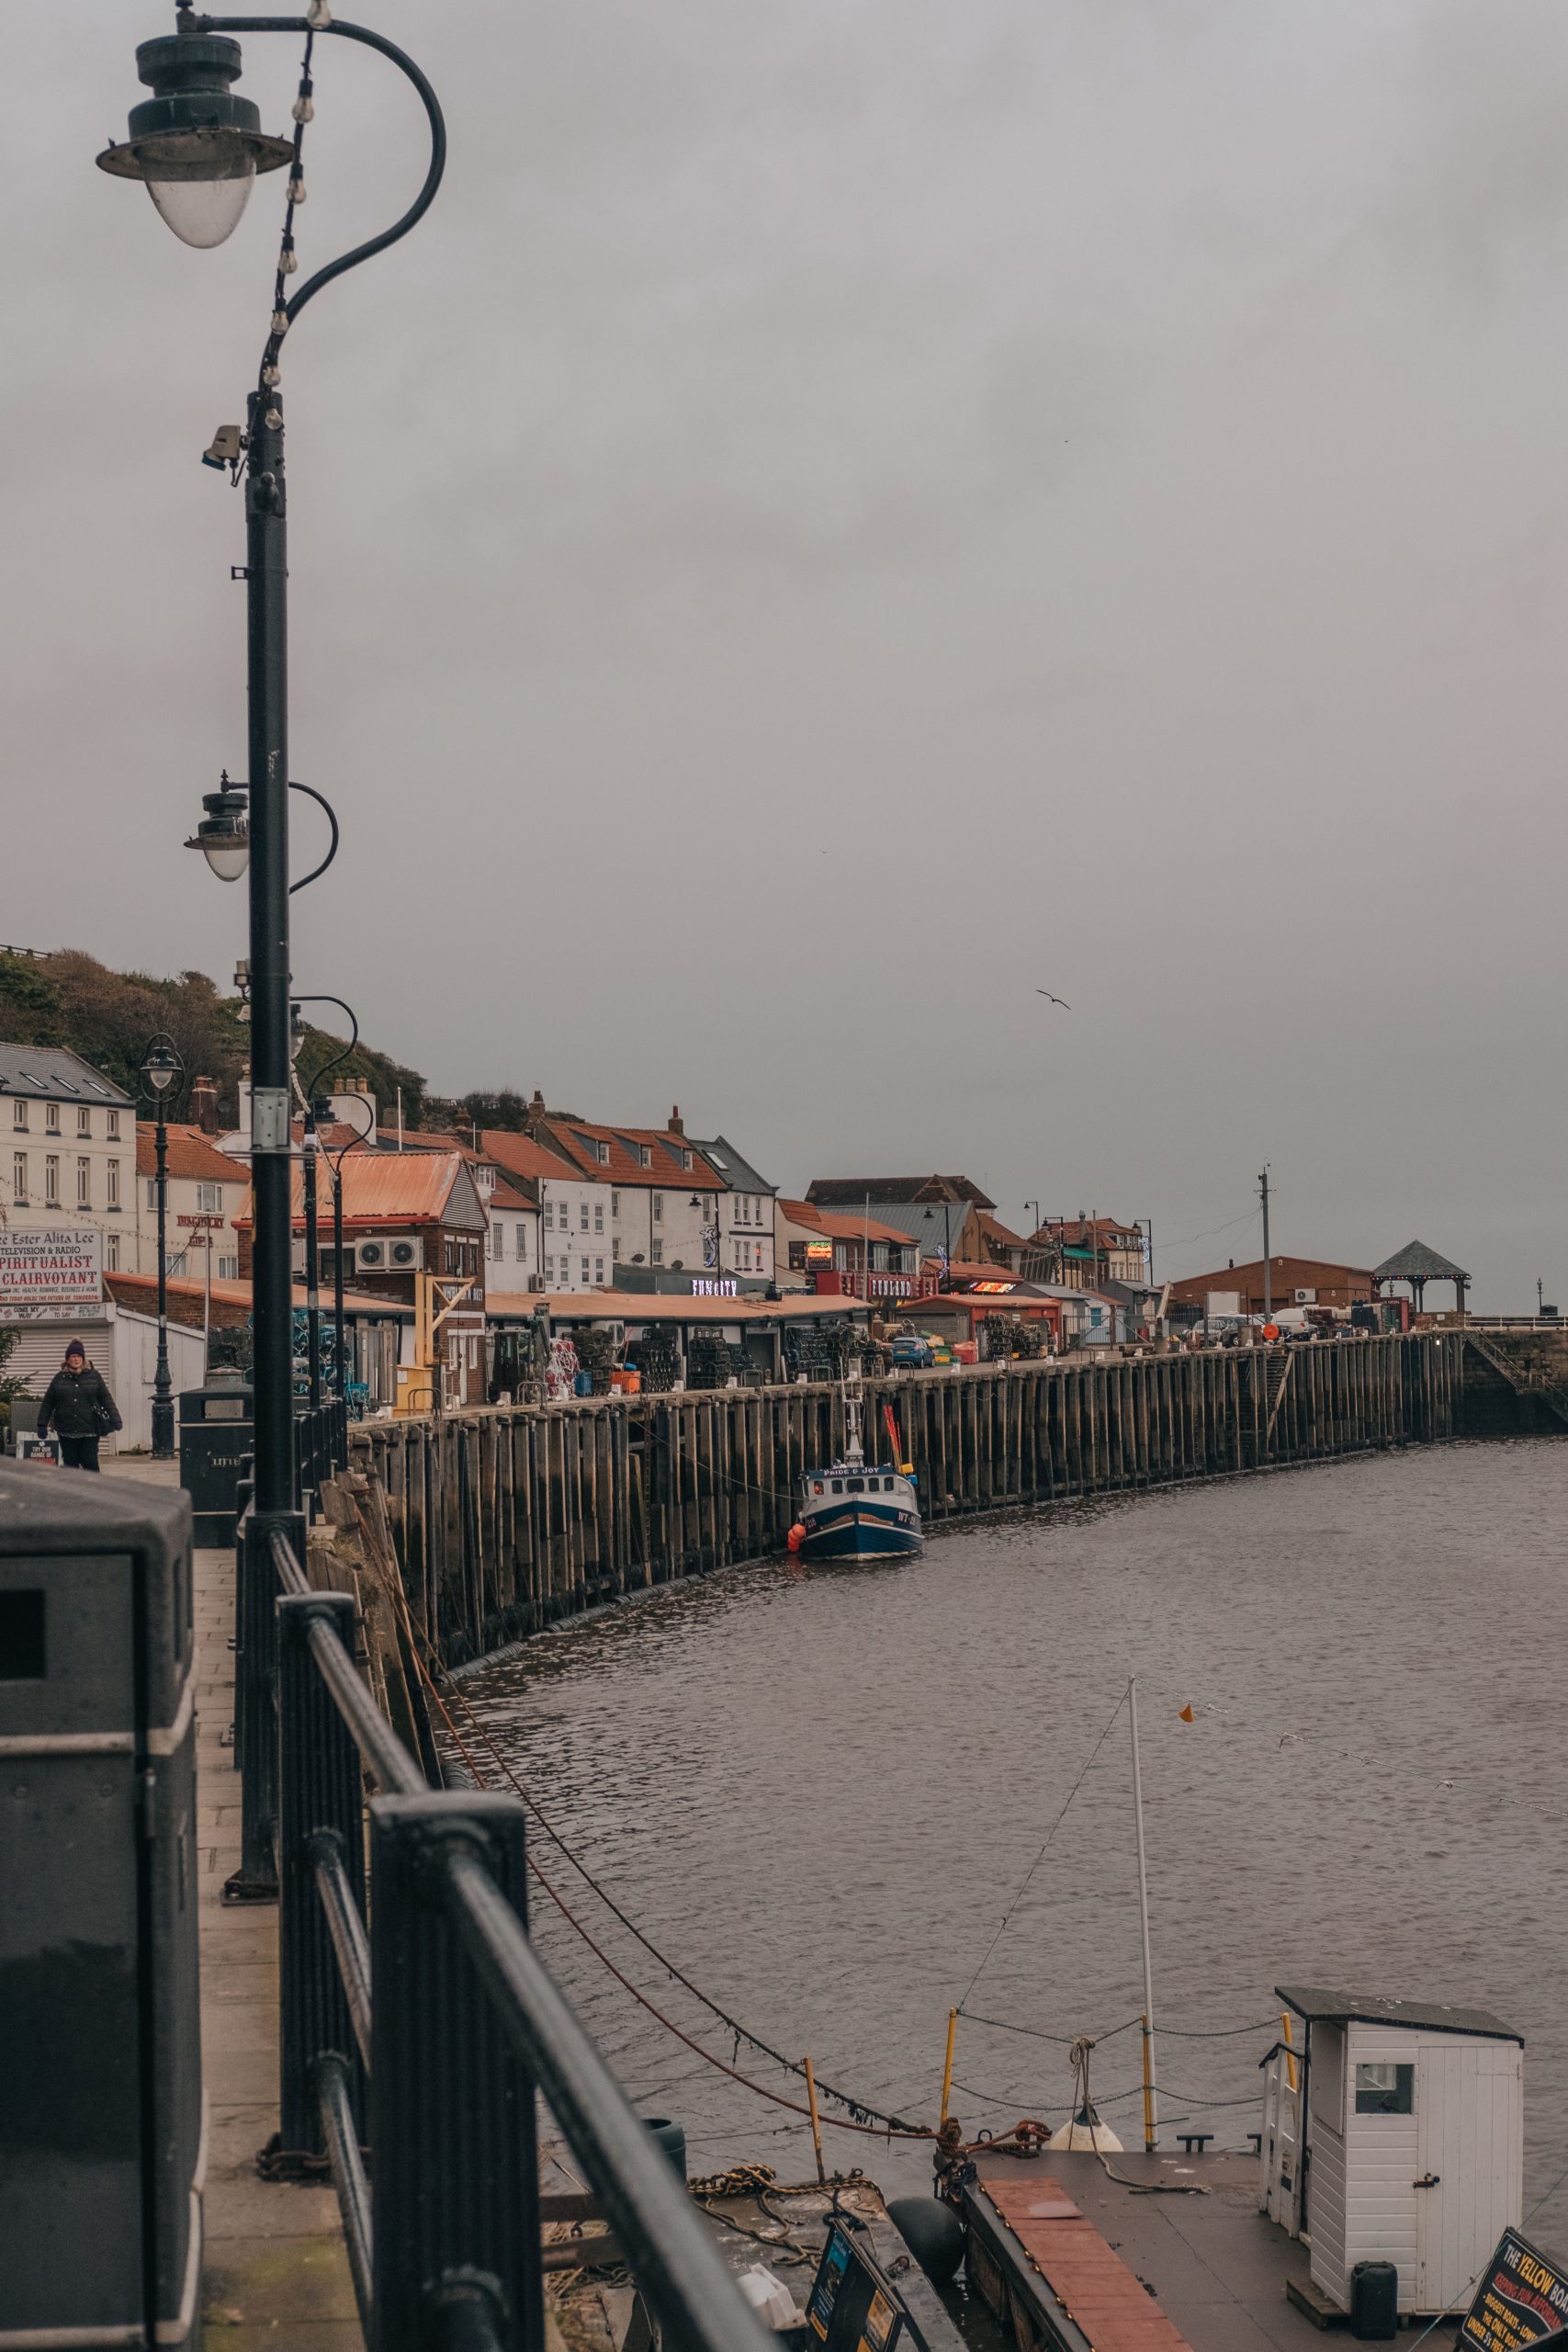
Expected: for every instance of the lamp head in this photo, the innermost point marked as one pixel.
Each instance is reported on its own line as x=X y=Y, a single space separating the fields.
x=195 y=147
x=161 y=1064
x=223 y=835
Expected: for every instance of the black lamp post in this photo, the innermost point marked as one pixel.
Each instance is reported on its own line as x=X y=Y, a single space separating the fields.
x=198 y=148
x=161 y=1064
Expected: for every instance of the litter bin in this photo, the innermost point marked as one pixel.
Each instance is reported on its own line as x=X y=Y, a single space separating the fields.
x=216 y=1434
x=100 y=2124
x=1374 y=2302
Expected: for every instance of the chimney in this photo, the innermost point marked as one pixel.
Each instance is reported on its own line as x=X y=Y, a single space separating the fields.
x=204 y=1104
x=676 y=1125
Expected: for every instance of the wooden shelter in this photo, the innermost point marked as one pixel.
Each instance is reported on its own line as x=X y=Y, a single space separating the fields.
x=1419 y=1265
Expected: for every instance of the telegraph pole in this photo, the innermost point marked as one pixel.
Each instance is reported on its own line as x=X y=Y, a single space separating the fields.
x=1268 y=1272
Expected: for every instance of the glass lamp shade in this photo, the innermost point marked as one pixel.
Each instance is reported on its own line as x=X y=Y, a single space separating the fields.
x=203 y=200
x=227 y=853
x=161 y=1068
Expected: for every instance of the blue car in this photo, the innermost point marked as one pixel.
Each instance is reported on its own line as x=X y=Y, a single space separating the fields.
x=912 y=1353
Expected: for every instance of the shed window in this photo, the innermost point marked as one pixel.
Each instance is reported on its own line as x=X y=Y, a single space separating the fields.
x=838 y=1486
x=855 y=1486
x=1382 y=2088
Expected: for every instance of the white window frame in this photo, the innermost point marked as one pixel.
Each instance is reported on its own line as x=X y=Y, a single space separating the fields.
x=19 y=1113
x=113 y=1183
x=84 y=1120
x=20 y=1178
x=113 y=1127
x=51 y=1180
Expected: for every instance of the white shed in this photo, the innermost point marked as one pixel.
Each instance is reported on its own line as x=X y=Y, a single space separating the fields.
x=1411 y=2114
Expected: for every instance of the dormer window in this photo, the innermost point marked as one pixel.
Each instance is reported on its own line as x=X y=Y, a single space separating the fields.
x=645 y=1155
x=685 y=1157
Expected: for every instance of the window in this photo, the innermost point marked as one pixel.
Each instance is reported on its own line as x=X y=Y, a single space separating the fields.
x=838 y=1486
x=209 y=1199
x=18 y=1112
x=598 y=1216
x=854 y=1485
x=111 y=1253
x=656 y=1253
x=583 y=1263
x=177 y=1265
x=51 y=1180
x=615 y=1204
x=583 y=1206
x=598 y=1270
x=228 y=1269
x=658 y=1208
x=20 y=1178
x=522 y=1245
x=113 y=1127
x=685 y=1158
x=549 y=1270
x=152 y=1192
x=84 y=1120
x=498 y=1241
x=645 y=1155
x=113 y=1181
x=51 y=1118
x=1383 y=2088
x=550 y=1217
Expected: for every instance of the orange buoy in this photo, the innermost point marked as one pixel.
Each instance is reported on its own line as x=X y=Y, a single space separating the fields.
x=797 y=1536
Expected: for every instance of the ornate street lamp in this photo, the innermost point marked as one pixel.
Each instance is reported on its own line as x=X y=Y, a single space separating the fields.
x=196 y=148
x=161 y=1064
x=223 y=835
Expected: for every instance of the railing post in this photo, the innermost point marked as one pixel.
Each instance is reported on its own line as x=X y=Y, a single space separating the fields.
x=454 y=2165
x=322 y=1807
x=255 y=1714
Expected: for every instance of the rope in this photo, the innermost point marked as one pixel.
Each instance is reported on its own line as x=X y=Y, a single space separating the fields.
x=1037 y=2033
x=1079 y=2057
x=886 y=2128
x=1040 y=1856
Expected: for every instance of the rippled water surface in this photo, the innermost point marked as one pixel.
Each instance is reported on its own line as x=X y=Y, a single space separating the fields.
x=819 y=1790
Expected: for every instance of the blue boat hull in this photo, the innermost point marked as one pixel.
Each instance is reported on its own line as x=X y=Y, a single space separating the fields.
x=853 y=1531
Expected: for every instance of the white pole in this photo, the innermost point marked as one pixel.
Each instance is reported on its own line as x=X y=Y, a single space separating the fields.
x=1143 y=1910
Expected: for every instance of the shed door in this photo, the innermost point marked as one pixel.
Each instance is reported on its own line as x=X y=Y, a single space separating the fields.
x=1466 y=2095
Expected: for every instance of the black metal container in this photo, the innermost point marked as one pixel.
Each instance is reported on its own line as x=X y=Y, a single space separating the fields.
x=1374 y=2302
x=216 y=1434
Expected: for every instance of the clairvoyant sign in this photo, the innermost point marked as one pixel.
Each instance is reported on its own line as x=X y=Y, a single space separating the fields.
x=50 y=1265
x=1522 y=2300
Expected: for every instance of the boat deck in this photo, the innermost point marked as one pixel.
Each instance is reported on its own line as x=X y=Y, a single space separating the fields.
x=1210 y=2270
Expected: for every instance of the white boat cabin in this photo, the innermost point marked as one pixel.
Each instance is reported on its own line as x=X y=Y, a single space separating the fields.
x=1412 y=2117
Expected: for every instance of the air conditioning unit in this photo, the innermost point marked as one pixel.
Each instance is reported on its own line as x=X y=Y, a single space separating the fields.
x=371 y=1257
x=1306 y=1298
x=406 y=1255
x=537 y=1282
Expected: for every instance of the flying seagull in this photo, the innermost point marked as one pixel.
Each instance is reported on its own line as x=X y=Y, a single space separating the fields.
x=1054 y=999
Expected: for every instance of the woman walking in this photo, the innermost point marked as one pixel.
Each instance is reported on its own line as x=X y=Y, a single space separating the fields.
x=78 y=1403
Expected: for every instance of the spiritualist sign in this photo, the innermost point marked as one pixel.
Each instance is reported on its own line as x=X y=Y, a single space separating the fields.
x=1522 y=2300
x=50 y=1265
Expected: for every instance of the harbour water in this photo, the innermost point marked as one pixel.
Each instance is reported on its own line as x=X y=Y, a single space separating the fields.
x=820 y=1789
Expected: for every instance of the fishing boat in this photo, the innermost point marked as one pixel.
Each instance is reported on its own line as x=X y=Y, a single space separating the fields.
x=858 y=1509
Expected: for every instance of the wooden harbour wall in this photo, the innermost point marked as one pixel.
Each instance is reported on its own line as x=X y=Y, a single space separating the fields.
x=510 y=1518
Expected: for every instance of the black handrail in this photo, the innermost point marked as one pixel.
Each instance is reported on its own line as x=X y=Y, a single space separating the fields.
x=431 y=2036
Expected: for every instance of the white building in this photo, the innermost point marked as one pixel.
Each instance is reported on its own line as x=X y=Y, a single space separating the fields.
x=207 y=1189
x=746 y=1241
x=67 y=1147
x=552 y=1225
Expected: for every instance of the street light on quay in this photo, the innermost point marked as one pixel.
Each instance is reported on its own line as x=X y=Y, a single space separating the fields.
x=161 y=1064
x=198 y=147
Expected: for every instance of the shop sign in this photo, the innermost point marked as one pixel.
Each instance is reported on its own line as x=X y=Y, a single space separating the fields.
x=50 y=1265
x=1522 y=2298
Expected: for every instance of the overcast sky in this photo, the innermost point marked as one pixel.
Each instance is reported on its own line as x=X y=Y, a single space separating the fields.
x=849 y=511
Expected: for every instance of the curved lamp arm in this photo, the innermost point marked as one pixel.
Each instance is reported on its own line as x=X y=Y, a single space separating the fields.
x=405 y=64
x=317 y=871
x=338 y=1059
x=363 y=1136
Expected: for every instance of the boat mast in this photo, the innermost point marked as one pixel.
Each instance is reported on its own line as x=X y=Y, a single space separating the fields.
x=1151 y=2087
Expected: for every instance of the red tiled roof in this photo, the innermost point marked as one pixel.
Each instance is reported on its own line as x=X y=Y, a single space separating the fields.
x=836 y=1228
x=519 y=1155
x=622 y=1165
x=1088 y=1228
x=191 y=1154
x=993 y=1229
x=384 y=1188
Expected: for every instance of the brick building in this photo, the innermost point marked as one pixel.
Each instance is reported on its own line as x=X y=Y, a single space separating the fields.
x=1292 y=1281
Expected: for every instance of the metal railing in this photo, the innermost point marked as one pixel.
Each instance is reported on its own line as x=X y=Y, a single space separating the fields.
x=412 y=2050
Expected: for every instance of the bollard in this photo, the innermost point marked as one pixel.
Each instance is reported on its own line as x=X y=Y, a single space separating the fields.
x=321 y=1859
x=455 y=2164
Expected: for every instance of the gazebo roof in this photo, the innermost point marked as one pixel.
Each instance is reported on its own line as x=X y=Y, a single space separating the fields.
x=1416 y=1263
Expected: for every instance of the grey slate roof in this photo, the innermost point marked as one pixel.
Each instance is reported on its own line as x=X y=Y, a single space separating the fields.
x=51 y=1073
x=910 y=1216
x=738 y=1174
x=1417 y=1264
x=1321 y=2007
x=847 y=1192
